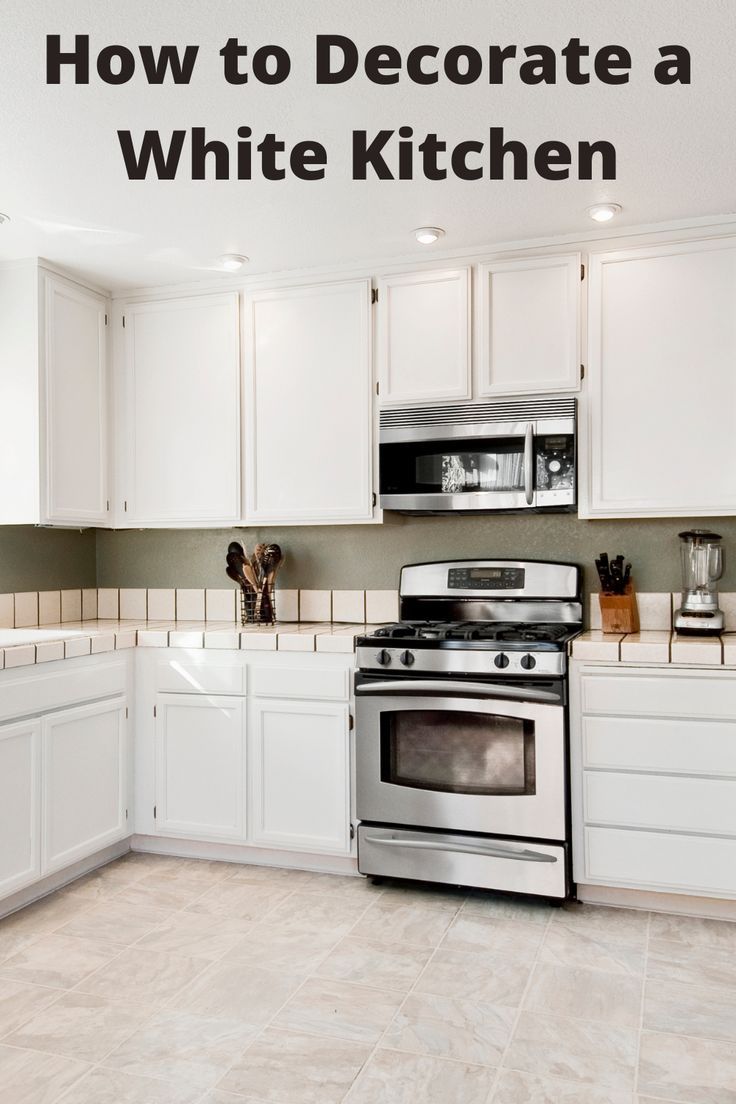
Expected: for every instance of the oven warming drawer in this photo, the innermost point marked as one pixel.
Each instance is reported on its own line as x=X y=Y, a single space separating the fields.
x=510 y=865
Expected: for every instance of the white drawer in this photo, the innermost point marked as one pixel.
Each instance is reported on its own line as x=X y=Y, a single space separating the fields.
x=649 y=743
x=648 y=801
x=191 y=676
x=300 y=681
x=679 y=695
x=655 y=860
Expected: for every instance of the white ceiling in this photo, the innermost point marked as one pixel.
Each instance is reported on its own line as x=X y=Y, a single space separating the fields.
x=60 y=163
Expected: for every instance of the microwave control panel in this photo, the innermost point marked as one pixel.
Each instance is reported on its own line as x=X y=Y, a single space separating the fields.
x=485 y=578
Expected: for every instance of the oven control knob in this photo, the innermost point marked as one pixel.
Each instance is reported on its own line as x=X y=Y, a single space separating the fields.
x=383 y=657
x=501 y=660
x=528 y=662
x=407 y=658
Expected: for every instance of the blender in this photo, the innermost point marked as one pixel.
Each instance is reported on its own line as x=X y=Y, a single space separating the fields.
x=701 y=556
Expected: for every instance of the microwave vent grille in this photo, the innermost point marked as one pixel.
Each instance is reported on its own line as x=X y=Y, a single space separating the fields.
x=517 y=410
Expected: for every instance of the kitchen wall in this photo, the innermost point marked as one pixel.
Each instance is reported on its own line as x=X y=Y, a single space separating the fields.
x=370 y=556
x=45 y=559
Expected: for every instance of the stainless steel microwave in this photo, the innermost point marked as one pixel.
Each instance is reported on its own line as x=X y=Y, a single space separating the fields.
x=479 y=457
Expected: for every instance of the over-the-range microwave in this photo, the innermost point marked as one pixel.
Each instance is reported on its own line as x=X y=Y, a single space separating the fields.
x=506 y=455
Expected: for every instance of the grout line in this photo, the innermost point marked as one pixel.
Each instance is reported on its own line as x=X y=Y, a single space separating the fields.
x=641 y=1006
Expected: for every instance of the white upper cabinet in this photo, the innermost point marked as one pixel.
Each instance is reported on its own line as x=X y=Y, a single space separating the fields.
x=180 y=437
x=423 y=336
x=659 y=433
x=529 y=325
x=53 y=399
x=308 y=404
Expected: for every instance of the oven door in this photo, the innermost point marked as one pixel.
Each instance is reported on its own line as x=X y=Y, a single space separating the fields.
x=461 y=756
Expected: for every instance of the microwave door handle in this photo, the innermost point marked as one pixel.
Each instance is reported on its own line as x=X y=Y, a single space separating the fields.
x=529 y=464
x=457 y=689
x=493 y=850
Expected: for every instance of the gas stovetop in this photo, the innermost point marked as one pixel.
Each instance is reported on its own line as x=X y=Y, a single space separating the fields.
x=443 y=633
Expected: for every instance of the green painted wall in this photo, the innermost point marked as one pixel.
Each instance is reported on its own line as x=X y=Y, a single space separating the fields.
x=46 y=559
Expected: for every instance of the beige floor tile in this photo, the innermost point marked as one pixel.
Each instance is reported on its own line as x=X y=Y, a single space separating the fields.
x=27 y=1077
x=524 y=1088
x=694 y=931
x=151 y=977
x=59 y=961
x=105 y=1086
x=671 y=1007
x=80 y=1026
x=295 y=1068
x=25 y=926
x=574 y=1050
x=585 y=994
x=189 y=933
x=481 y=976
x=446 y=898
x=271 y=875
x=218 y=1096
x=340 y=1009
x=472 y=932
x=312 y=912
x=617 y=924
x=485 y=903
x=20 y=1002
x=415 y=924
x=700 y=965
x=468 y=1031
x=164 y=891
x=277 y=947
x=337 y=885
x=564 y=946
x=381 y=965
x=182 y=1047
x=116 y=921
x=698 y=1071
x=239 y=900
x=394 y=1078
x=238 y=990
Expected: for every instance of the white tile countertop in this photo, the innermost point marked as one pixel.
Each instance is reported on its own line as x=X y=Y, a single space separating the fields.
x=656 y=646
x=71 y=639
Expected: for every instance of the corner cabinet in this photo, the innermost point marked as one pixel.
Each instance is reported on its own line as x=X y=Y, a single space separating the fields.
x=309 y=404
x=423 y=336
x=529 y=325
x=179 y=451
x=658 y=436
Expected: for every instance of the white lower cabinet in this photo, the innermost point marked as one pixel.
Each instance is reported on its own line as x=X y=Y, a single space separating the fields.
x=20 y=821
x=299 y=755
x=200 y=766
x=84 y=782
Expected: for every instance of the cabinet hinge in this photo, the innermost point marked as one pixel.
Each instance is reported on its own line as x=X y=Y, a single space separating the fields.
x=582 y=371
x=105 y=319
x=125 y=505
x=154 y=812
x=378 y=388
x=126 y=712
x=582 y=272
x=154 y=711
x=375 y=500
x=374 y=295
x=351 y=722
x=126 y=814
x=352 y=831
x=123 y=321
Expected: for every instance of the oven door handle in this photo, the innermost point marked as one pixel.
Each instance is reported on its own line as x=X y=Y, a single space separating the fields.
x=529 y=464
x=492 y=850
x=458 y=689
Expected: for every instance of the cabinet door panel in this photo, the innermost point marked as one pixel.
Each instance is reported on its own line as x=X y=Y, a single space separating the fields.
x=309 y=405
x=300 y=755
x=703 y=805
x=20 y=822
x=530 y=325
x=183 y=402
x=84 y=782
x=702 y=865
x=200 y=767
x=424 y=336
x=662 y=390
x=75 y=405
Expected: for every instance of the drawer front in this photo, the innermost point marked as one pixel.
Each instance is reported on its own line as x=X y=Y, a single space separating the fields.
x=307 y=683
x=646 y=743
x=658 y=861
x=674 y=804
x=681 y=695
x=176 y=676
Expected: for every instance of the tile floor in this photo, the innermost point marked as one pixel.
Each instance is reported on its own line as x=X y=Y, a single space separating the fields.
x=173 y=981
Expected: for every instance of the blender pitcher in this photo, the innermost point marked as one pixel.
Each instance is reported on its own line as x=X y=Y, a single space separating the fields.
x=701 y=556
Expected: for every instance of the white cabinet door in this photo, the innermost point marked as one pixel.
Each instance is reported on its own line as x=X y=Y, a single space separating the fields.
x=20 y=817
x=75 y=413
x=658 y=439
x=84 y=782
x=308 y=405
x=182 y=434
x=424 y=336
x=530 y=325
x=299 y=755
x=200 y=766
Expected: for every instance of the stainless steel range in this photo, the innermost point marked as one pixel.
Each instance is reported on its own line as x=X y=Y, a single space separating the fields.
x=461 y=734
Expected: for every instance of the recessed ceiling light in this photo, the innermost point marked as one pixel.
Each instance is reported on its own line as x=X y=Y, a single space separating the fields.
x=425 y=235
x=4 y=218
x=604 y=212
x=233 y=262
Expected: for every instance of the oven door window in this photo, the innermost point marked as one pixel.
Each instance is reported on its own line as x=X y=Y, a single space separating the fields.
x=453 y=467
x=456 y=752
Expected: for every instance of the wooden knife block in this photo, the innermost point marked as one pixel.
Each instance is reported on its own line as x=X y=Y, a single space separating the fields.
x=619 y=612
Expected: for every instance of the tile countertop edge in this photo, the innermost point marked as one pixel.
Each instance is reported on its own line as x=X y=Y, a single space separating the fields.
x=655 y=648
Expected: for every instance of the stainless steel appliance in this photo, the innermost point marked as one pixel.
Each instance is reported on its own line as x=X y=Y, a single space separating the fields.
x=517 y=455
x=461 y=733
x=701 y=557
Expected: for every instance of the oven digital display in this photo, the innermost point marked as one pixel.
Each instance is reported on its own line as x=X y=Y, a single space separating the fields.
x=485 y=578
